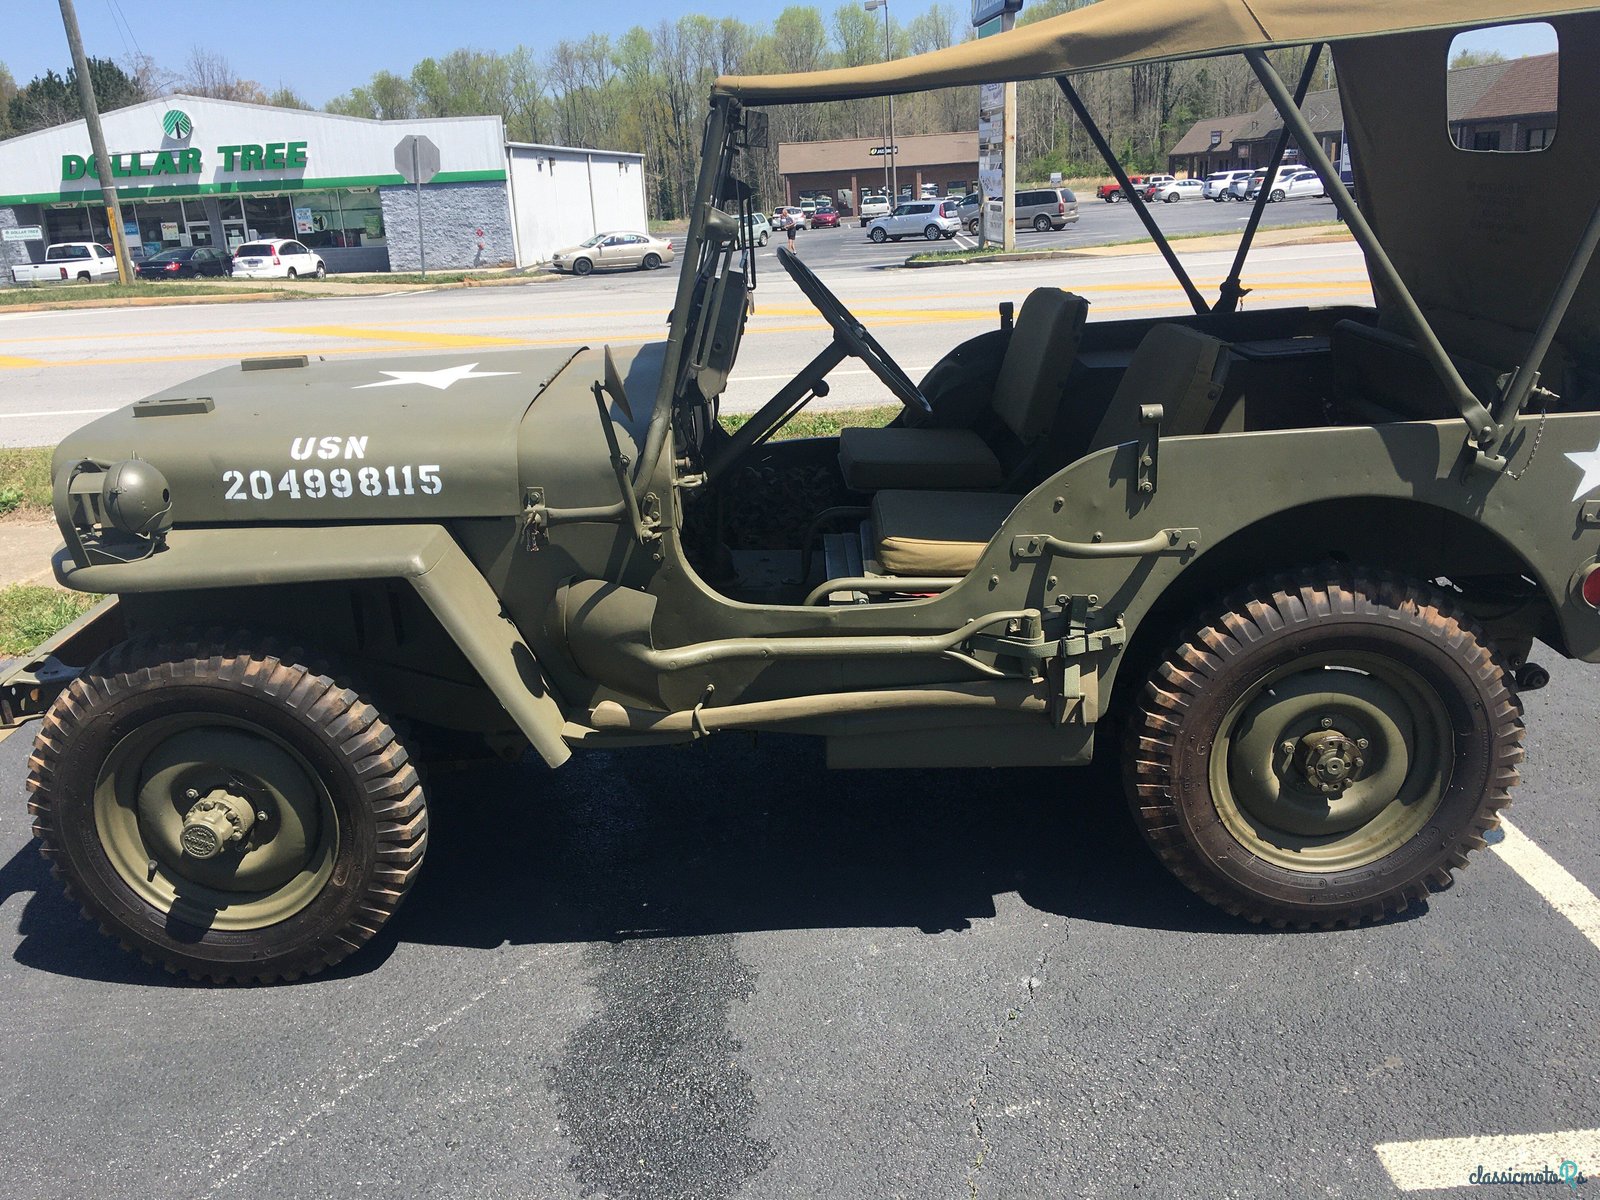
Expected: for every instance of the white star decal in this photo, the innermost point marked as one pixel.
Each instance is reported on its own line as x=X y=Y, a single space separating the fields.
x=1589 y=463
x=438 y=380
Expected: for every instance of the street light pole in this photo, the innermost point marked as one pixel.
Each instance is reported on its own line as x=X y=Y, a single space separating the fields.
x=97 y=141
x=892 y=167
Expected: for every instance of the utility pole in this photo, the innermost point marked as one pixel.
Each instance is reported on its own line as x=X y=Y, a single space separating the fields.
x=892 y=167
x=97 y=142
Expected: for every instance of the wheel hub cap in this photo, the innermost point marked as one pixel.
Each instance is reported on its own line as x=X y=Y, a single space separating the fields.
x=221 y=819
x=1328 y=760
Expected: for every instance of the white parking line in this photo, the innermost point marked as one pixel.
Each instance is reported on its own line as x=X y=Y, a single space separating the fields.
x=1452 y=1162
x=1528 y=1158
x=1551 y=880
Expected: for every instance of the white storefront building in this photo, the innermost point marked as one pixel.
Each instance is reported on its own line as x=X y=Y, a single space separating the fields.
x=196 y=171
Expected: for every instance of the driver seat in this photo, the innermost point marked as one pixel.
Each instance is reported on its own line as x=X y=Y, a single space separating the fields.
x=1027 y=393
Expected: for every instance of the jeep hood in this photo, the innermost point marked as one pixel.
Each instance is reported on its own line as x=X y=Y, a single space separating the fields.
x=286 y=440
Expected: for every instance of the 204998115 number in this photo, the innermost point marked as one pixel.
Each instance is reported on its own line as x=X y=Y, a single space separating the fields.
x=340 y=483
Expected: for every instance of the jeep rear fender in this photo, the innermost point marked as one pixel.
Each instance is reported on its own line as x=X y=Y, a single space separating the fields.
x=425 y=556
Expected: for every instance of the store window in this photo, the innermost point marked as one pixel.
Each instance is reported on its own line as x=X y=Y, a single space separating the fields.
x=1501 y=79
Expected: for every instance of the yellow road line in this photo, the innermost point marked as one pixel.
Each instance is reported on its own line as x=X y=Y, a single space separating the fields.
x=758 y=328
x=1263 y=282
x=7 y=362
x=416 y=337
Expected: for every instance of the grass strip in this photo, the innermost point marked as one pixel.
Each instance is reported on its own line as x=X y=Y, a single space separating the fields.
x=31 y=613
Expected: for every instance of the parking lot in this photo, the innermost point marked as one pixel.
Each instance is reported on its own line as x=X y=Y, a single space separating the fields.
x=723 y=971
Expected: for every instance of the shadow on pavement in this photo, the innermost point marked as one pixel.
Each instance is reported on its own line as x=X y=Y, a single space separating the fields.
x=729 y=835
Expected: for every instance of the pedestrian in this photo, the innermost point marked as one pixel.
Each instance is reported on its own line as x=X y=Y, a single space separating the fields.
x=793 y=228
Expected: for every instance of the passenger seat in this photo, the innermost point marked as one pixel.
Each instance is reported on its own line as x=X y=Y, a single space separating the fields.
x=943 y=533
x=1027 y=393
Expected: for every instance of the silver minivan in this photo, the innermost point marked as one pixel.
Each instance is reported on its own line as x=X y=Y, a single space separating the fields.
x=1046 y=208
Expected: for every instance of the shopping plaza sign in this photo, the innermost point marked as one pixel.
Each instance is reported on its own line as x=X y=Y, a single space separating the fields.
x=268 y=156
x=177 y=126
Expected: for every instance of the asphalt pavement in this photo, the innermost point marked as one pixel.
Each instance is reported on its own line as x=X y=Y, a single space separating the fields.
x=722 y=971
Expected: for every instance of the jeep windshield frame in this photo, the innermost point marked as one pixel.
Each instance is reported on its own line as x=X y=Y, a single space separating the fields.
x=1118 y=33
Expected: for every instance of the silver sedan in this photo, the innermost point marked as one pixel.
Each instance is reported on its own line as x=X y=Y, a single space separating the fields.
x=613 y=251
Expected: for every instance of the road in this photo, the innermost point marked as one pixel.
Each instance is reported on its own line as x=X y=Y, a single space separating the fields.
x=721 y=972
x=60 y=369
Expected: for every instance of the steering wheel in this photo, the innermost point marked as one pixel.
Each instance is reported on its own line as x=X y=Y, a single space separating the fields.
x=853 y=334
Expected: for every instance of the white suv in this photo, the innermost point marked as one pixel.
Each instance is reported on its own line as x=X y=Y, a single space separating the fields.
x=932 y=219
x=278 y=258
x=1217 y=185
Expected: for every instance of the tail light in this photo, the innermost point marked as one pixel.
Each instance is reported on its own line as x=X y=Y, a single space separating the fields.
x=1590 y=587
x=172 y=266
x=63 y=271
x=669 y=243
x=1061 y=208
x=275 y=258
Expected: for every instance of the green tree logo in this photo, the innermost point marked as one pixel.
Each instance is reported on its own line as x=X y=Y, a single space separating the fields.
x=177 y=124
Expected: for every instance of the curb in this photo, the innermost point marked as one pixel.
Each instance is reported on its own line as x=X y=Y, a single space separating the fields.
x=538 y=276
x=1312 y=235
x=1023 y=256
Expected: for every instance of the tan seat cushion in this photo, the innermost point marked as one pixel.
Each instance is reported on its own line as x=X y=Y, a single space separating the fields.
x=936 y=533
x=916 y=458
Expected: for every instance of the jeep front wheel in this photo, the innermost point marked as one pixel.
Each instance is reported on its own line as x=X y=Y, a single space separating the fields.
x=1322 y=752
x=226 y=810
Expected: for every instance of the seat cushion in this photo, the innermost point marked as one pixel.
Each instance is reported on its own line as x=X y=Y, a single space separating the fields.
x=1175 y=367
x=916 y=458
x=1039 y=357
x=935 y=533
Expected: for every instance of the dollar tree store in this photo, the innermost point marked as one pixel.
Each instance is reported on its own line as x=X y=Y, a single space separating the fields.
x=193 y=171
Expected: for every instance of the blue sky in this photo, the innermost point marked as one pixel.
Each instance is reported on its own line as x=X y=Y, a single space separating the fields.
x=346 y=44
x=348 y=41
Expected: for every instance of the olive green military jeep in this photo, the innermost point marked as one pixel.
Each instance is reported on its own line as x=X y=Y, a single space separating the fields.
x=1297 y=558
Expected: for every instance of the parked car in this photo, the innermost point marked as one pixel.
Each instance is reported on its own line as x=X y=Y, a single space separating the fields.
x=786 y=215
x=873 y=206
x=1152 y=183
x=1111 y=192
x=80 y=261
x=1299 y=186
x=916 y=218
x=1046 y=208
x=185 y=262
x=761 y=228
x=1247 y=189
x=1179 y=189
x=618 y=249
x=808 y=206
x=970 y=212
x=1216 y=185
x=825 y=218
x=276 y=258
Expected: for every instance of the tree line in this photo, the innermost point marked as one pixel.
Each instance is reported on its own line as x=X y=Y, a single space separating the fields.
x=645 y=91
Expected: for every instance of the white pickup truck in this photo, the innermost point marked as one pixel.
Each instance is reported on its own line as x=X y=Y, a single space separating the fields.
x=873 y=206
x=69 y=261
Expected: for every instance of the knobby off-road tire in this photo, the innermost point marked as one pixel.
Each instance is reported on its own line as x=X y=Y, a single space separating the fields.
x=1234 y=784
x=340 y=822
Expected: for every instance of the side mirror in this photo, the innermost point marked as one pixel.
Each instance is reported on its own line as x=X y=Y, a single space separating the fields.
x=755 y=129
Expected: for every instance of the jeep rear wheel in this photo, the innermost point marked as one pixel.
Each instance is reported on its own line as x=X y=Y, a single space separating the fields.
x=224 y=809
x=1323 y=752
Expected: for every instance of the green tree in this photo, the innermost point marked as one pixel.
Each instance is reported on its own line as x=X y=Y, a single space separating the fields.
x=8 y=90
x=1475 y=58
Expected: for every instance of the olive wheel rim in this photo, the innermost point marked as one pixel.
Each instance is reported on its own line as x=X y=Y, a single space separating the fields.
x=1273 y=747
x=140 y=799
